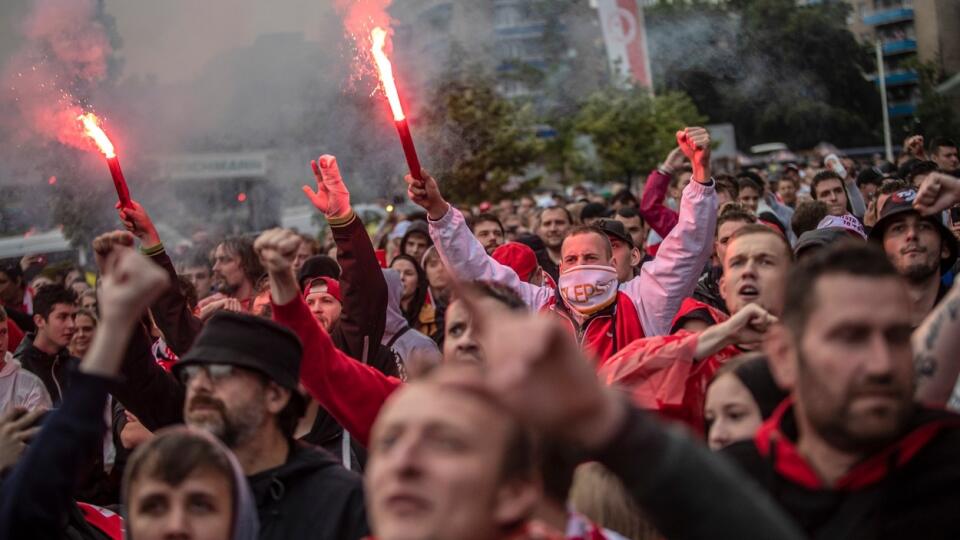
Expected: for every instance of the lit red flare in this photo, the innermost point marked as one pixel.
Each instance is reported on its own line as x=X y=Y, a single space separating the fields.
x=91 y=127
x=378 y=38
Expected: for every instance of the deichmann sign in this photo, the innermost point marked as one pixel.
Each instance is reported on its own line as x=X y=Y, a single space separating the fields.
x=212 y=166
x=625 y=37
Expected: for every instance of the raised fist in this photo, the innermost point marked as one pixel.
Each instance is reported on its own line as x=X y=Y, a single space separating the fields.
x=332 y=196
x=695 y=144
x=426 y=194
x=130 y=283
x=105 y=244
x=277 y=249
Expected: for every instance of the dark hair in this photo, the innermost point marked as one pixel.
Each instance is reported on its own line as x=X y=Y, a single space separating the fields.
x=3 y=314
x=49 y=296
x=807 y=216
x=549 y=208
x=242 y=247
x=172 y=455
x=197 y=257
x=727 y=184
x=734 y=212
x=290 y=415
x=412 y=313
x=756 y=228
x=486 y=217
x=920 y=167
x=499 y=292
x=625 y=197
x=892 y=185
x=940 y=142
x=12 y=270
x=753 y=371
x=821 y=177
x=748 y=183
x=590 y=229
x=629 y=212
x=593 y=210
x=188 y=291
x=847 y=257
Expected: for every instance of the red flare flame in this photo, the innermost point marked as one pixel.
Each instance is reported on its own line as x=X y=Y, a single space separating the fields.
x=379 y=38
x=91 y=127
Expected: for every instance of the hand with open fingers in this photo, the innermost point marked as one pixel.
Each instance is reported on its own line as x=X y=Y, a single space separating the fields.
x=277 y=249
x=535 y=368
x=136 y=220
x=16 y=429
x=107 y=243
x=332 y=196
x=937 y=192
x=130 y=283
x=695 y=144
x=426 y=194
x=675 y=160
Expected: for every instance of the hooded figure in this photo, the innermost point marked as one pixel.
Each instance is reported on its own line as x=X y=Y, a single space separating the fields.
x=175 y=454
x=407 y=343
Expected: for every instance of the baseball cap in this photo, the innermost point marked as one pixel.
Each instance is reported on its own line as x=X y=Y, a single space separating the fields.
x=614 y=228
x=901 y=202
x=519 y=257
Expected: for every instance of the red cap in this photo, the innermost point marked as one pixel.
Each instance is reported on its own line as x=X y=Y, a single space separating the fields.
x=333 y=287
x=519 y=257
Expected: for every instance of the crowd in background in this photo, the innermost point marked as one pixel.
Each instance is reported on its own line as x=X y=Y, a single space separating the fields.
x=766 y=352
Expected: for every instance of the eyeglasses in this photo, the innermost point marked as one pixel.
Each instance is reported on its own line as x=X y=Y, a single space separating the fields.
x=215 y=372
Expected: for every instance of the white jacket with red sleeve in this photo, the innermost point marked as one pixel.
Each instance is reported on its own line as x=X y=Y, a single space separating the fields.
x=657 y=292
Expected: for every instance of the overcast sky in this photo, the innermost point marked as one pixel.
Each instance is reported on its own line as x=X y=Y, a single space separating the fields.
x=173 y=39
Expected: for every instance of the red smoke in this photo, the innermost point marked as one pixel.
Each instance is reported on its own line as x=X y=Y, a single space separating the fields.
x=360 y=17
x=64 y=56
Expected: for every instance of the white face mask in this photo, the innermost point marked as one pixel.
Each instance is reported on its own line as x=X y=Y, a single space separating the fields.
x=589 y=288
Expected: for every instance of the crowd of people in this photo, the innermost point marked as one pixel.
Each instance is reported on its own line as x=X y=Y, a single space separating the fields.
x=772 y=352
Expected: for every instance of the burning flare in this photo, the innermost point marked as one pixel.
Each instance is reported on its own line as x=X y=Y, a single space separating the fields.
x=91 y=126
x=379 y=38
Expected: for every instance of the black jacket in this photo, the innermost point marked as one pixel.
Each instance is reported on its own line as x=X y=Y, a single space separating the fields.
x=686 y=491
x=911 y=489
x=53 y=369
x=310 y=496
x=37 y=498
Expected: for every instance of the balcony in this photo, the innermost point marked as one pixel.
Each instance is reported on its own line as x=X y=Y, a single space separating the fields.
x=903 y=108
x=899 y=46
x=889 y=15
x=899 y=77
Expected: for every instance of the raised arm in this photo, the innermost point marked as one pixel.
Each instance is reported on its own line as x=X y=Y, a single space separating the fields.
x=170 y=311
x=936 y=346
x=459 y=250
x=35 y=499
x=672 y=275
x=144 y=388
x=661 y=218
x=364 y=289
x=350 y=391
x=537 y=372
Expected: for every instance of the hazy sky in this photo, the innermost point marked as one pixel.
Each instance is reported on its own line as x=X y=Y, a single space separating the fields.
x=173 y=39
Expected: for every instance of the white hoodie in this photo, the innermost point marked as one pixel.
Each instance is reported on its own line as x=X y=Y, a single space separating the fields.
x=20 y=388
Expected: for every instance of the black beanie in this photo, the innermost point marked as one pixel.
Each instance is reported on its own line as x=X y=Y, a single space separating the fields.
x=755 y=375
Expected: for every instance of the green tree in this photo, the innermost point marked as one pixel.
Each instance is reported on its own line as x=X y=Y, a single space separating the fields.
x=632 y=131
x=777 y=70
x=934 y=115
x=476 y=140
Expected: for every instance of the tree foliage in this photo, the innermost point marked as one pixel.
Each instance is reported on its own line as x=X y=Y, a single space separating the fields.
x=632 y=131
x=477 y=140
x=777 y=70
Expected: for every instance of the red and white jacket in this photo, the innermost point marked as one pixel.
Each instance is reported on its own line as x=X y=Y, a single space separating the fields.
x=656 y=293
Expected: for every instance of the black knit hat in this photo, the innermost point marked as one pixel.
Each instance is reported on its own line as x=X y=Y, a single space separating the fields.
x=250 y=342
x=318 y=266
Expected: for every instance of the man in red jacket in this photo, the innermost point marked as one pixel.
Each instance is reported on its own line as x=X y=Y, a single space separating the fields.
x=670 y=373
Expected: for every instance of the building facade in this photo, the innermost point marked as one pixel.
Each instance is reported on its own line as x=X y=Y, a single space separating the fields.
x=909 y=30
